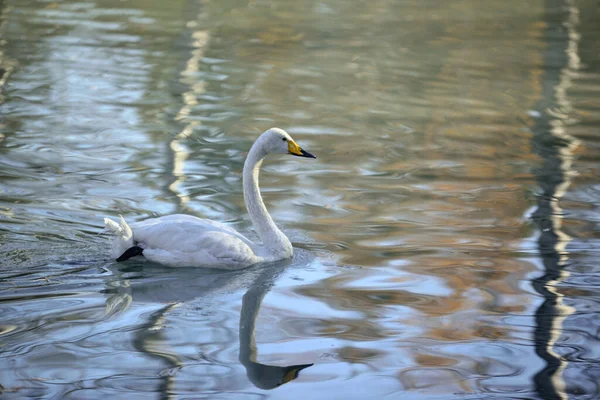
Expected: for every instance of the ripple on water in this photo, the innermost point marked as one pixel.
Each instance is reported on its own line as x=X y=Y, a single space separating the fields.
x=433 y=136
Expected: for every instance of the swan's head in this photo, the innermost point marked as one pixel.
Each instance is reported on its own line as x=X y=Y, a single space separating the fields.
x=278 y=141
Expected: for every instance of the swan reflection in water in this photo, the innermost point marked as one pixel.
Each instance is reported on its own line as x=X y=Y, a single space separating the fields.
x=173 y=287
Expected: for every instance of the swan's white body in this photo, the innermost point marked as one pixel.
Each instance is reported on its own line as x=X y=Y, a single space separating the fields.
x=186 y=241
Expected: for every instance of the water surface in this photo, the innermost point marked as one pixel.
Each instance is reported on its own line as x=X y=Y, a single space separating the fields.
x=446 y=236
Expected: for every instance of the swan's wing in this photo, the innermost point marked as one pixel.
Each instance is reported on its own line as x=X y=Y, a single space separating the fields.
x=195 y=224
x=183 y=218
x=181 y=240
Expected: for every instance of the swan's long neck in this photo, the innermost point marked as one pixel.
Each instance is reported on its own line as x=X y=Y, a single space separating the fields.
x=274 y=240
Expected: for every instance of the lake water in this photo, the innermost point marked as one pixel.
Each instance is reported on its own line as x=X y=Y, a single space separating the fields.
x=446 y=238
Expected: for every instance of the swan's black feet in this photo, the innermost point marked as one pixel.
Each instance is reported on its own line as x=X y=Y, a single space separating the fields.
x=131 y=252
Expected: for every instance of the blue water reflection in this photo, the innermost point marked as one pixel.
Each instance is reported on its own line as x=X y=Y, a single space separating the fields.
x=445 y=239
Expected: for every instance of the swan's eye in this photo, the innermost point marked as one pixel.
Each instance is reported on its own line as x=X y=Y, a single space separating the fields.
x=284 y=139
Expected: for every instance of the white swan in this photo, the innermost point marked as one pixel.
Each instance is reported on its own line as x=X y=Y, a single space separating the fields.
x=185 y=241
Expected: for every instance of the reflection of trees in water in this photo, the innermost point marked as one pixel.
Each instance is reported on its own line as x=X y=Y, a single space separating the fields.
x=6 y=66
x=555 y=146
x=450 y=205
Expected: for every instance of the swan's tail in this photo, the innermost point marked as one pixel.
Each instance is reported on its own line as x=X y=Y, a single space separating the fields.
x=123 y=233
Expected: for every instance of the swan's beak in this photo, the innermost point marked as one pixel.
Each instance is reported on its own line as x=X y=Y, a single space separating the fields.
x=296 y=150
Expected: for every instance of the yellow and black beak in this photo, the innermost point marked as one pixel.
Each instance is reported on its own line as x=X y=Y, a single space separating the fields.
x=292 y=372
x=296 y=150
